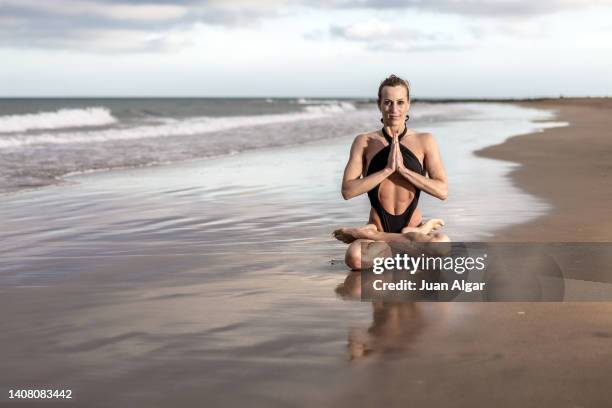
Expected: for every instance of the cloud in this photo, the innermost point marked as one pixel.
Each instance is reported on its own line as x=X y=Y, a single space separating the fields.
x=117 y=41
x=120 y=25
x=479 y=21
x=484 y=8
x=522 y=30
x=364 y=31
x=86 y=24
x=92 y=9
x=378 y=35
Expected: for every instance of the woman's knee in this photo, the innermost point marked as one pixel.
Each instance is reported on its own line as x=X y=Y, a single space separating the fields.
x=352 y=257
x=360 y=254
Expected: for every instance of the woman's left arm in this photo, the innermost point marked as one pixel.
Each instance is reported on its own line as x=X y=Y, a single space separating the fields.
x=436 y=184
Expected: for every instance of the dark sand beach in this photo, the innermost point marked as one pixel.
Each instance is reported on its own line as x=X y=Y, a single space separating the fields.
x=180 y=286
x=569 y=167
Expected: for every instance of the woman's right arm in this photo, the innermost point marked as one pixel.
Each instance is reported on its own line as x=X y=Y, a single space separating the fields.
x=352 y=182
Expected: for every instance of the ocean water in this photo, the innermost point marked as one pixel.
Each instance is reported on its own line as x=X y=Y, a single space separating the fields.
x=210 y=279
x=275 y=198
x=41 y=140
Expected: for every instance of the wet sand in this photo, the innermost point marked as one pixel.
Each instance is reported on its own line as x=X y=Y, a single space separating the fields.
x=569 y=167
x=136 y=292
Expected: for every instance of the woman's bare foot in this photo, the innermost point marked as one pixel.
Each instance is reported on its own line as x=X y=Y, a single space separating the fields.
x=433 y=224
x=350 y=234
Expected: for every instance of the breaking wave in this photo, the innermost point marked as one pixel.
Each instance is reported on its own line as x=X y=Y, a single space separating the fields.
x=62 y=118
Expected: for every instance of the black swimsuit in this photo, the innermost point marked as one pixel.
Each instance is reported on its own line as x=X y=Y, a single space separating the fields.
x=390 y=222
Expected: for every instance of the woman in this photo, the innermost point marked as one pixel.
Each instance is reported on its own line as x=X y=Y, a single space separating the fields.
x=393 y=165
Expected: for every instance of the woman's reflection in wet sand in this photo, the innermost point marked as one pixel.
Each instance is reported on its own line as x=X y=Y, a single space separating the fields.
x=395 y=327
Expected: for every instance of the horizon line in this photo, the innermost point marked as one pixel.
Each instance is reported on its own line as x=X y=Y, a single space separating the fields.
x=367 y=98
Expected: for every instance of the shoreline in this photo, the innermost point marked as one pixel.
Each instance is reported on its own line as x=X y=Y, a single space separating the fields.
x=568 y=167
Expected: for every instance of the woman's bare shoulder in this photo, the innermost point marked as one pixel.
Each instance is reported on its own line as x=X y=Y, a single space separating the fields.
x=425 y=138
x=367 y=136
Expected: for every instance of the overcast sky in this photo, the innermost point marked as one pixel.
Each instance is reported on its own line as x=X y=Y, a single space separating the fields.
x=446 y=48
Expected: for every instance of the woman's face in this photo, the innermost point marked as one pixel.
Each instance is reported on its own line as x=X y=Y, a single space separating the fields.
x=394 y=105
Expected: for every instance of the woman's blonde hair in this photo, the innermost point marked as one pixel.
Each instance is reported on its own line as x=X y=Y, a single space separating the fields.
x=393 y=80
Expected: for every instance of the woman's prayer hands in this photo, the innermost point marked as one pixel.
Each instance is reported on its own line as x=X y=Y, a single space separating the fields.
x=395 y=162
x=392 y=161
x=399 y=159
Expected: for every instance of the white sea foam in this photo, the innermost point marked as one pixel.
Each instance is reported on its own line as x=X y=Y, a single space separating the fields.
x=62 y=118
x=306 y=101
x=173 y=127
x=331 y=108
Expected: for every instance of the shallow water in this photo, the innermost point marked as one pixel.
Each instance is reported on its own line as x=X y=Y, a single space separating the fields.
x=42 y=140
x=282 y=200
x=210 y=282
